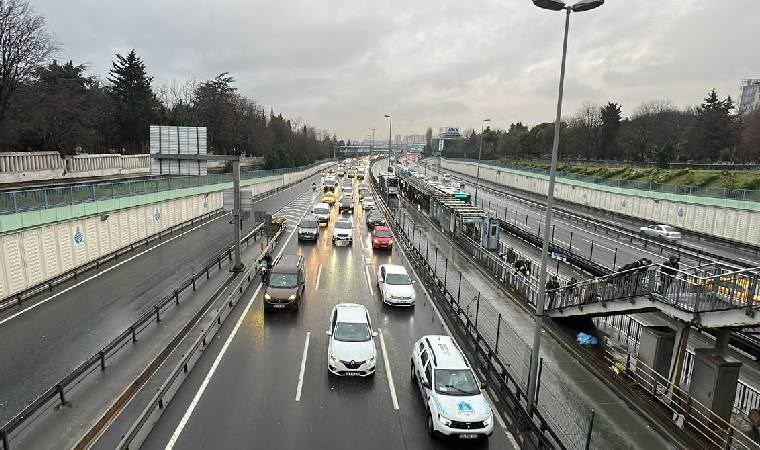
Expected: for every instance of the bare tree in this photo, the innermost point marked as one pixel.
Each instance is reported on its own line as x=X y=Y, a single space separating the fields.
x=24 y=45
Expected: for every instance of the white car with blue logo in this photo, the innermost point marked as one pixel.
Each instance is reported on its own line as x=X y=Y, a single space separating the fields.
x=452 y=393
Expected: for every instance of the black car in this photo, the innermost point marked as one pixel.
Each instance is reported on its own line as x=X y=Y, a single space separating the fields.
x=346 y=204
x=375 y=218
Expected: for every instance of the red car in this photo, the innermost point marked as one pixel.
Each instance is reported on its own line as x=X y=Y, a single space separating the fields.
x=382 y=238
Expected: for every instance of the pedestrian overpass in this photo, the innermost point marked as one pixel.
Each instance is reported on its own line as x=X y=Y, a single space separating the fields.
x=710 y=295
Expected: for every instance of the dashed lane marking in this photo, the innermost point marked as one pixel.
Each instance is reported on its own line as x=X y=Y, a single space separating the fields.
x=319 y=274
x=389 y=375
x=303 y=366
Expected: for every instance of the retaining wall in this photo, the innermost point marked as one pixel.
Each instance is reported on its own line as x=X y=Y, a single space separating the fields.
x=46 y=243
x=17 y=167
x=734 y=220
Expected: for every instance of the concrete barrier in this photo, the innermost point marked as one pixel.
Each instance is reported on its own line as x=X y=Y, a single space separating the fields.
x=733 y=220
x=19 y=167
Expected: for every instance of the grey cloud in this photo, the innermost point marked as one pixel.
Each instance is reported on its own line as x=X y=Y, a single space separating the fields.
x=341 y=65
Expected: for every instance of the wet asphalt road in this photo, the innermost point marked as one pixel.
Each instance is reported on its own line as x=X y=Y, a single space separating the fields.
x=40 y=346
x=608 y=250
x=250 y=400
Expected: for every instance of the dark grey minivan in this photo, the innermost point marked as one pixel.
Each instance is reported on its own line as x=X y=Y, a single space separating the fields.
x=286 y=283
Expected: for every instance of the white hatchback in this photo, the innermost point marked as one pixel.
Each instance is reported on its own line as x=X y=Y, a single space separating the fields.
x=351 y=350
x=368 y=202
x=395 y=286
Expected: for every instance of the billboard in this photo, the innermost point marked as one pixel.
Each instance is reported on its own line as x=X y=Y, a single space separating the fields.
x=449 y=133
x=171 y=140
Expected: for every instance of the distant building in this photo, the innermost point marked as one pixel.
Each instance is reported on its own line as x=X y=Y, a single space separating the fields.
x=749 y=97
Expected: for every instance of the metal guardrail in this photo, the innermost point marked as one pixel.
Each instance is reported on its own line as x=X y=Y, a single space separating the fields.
x=665 y=188
x=99 y=359
x=139 y=429
x=18 y=298
x=611 y=230
x=42 y=198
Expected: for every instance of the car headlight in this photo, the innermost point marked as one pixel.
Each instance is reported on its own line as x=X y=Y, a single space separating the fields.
x=333 y=359
x=390 y=241
x=267 y=297
x=487 y=421
x=371 y=359
x=444 y=421
x=292 y=297
x=375 y=241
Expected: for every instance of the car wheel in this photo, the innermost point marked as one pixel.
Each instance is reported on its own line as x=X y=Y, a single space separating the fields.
x=414 y=374
x=430 y=428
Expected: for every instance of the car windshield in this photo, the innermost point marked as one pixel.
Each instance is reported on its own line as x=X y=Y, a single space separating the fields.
x=308 y=224
x=343 y=225
x=377 y=216
x=455 y=382
x=283 y=280
x=382 y=233
x=321 y=211
x=351 y=332
x=397 y=279
x=369 y=199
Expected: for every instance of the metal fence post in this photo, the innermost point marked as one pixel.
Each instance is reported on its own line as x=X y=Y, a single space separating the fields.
x=498 y=332
x=614 y=259
x=591 y=253
x=590 y=429
x=459 y=287
x=538 y=378
x=445 y=272
x=553 y=225
x=477 y=310
x=570 y=245
x=435 y=266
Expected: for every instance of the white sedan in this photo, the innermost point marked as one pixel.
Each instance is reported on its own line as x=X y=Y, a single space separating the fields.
x=665 y=232
x=351 y=350
x=368 y=202
x=395 y=286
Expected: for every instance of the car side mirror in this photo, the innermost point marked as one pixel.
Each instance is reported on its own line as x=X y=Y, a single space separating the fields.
x=483 y=384
x=426 y=383
x=329 y=333
x=374 y=334
x=414 y=281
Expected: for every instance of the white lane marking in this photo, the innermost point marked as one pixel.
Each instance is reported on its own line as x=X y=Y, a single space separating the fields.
x=388 y=371
x=215 y=365
x=92 y=277
x=303 y=366
x=319 y=274
x=173 y=441
x=369 y=281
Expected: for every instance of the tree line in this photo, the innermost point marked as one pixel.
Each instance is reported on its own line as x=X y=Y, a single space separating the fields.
x=60 y=106
x=657 y=131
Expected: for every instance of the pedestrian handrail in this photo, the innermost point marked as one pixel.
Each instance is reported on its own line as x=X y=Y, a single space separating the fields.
x=34 y=199
x=703 y=290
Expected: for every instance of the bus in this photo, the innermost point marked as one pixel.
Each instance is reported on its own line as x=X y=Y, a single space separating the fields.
x=389 y=183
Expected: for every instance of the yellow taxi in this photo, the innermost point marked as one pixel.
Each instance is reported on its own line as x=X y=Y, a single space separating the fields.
x=329 y=198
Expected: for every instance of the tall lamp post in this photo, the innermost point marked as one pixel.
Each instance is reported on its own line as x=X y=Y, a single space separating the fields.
x=390 y=128
x=553 y=5
x=480 y=153
x=372 y=144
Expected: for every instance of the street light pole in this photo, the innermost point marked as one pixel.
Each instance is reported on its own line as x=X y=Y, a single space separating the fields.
x=555 y=5
x=480 y=152
x=390 y=128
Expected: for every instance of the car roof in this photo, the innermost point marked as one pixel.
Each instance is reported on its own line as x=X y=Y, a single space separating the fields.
x=381 y=228
x=309 y=217
x=322 y=205
x=393 y=268
x=446 y=352
x=351 y=312
x=287 y=264
x=344 y=219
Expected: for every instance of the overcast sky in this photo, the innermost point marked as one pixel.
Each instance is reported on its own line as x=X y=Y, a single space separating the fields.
x=341 y=64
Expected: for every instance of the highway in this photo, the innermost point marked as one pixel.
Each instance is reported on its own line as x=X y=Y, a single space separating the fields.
x=51 y=334
x=264 y=382
x=608 y=250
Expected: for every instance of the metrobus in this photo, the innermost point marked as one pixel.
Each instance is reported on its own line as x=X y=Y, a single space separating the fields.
x=389 y=183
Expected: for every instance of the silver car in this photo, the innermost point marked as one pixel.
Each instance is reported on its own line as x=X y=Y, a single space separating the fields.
x=665 y=232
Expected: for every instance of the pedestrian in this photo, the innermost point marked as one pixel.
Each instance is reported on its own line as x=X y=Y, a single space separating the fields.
x=668 y=273
x=551 y=289
x=570 y=289
x=266 y=263
x=511 y=255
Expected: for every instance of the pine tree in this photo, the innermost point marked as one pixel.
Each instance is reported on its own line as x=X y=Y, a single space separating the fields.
x=136 y=104
x=611 y=119
x=714 y=131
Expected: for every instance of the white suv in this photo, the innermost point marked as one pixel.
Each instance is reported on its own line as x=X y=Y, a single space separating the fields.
x=344 y=230
x=451 y=391
x=322 y=211
x=351 y=350
x=395 y=286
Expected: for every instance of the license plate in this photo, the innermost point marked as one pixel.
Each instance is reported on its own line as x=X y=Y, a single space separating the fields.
x=352 y=374
x=278 y=306
x=468 y=436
